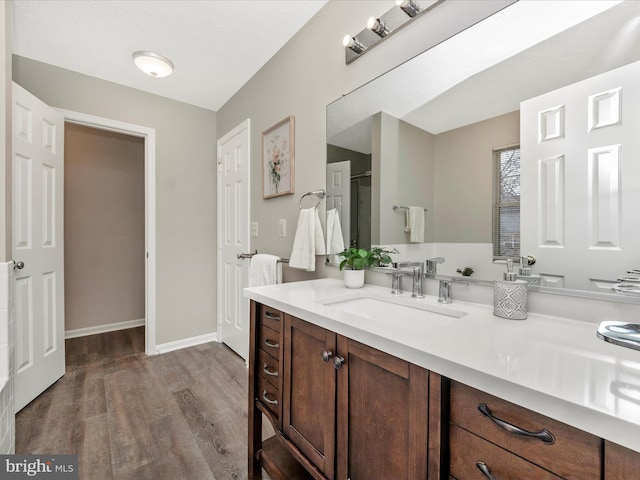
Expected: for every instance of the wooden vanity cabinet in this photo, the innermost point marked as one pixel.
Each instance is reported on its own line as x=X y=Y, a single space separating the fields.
x=349 y=411
x=309 y=412
x=508 y=439
x=382 y=415
x=620 y=463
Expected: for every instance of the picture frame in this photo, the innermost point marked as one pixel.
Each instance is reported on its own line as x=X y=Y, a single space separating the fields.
x=278 y=159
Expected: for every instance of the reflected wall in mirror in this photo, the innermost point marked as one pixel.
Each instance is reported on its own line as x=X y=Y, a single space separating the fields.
x=429 y=129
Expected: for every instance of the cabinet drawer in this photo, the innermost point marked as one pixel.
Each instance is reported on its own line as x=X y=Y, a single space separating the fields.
x=573 y=454
x=467 y=450
x=271 y=318
x=269 y=368
x=269 y=341
x=269 y=395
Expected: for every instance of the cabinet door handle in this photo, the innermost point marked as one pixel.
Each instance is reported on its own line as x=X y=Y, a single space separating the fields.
x=266 y=399
x=266 y=370
x=543 y=435
x=272 y=316
x=270 y=344
x=485 y=470
x=338 y=362
x=326 y=355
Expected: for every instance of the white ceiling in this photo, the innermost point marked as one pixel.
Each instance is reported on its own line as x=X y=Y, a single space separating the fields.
x=216 y=45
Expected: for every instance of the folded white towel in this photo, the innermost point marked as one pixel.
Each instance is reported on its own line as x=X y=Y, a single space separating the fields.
x=308 y=241
x=264 y=269
x=335 y=241
x=416 y=224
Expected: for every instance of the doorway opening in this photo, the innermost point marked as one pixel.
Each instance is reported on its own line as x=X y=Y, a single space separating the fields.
x=104 y=239
x=120 y=133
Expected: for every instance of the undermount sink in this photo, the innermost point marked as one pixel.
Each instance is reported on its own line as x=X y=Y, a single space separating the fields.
x=371 y=307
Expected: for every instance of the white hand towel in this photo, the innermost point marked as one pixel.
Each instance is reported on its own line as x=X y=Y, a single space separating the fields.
x=416 y=224
x=264 y=269
x=308 y=241
x=335 y=241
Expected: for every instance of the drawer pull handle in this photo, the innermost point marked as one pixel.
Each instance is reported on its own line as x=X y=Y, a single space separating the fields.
x=266 y=370
x=270 y=344
x=543 y=435
x=485 y=470
x=266 y=399
x=272 y=316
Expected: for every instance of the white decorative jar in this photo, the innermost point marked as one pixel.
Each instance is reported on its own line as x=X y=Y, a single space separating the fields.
x=354 y=278
x=510 y=299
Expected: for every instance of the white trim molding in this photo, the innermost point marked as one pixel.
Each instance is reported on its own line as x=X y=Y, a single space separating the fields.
x=108 y=327
x=149 y=135
x=187 y=342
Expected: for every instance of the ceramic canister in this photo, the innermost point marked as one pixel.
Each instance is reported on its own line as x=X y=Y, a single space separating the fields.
x=510 y=299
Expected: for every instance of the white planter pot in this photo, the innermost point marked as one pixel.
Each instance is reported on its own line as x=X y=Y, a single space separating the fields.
x=353 y=278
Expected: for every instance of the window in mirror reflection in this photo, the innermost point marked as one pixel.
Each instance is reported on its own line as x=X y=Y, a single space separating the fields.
x=506 y=218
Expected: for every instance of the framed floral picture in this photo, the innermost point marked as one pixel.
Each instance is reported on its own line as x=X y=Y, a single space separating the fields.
x=278 y=159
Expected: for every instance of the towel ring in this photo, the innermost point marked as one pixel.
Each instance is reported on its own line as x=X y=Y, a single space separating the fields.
x=321 y=194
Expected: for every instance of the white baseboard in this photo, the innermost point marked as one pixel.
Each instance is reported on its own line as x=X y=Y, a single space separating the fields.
x=110 y=327
x=187 y=342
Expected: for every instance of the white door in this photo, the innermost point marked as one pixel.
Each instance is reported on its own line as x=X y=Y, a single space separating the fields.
x=233 y=238
x=37 y=224
x=338 y=188
x=576 y=143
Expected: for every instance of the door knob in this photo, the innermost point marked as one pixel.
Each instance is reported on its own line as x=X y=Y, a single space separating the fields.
x=19 y=265
x=338 y=362
x=326 y=355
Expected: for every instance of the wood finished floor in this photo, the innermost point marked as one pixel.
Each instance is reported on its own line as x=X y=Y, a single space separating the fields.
x=179 y=415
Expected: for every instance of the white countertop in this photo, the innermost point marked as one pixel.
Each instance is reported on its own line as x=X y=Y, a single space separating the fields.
x=554 y=366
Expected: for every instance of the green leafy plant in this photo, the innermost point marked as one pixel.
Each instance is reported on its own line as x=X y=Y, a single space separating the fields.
x=465 y=272
x=358 y=258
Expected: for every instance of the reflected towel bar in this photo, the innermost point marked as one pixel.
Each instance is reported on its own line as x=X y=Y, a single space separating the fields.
x=396 y=207
x=242 y=256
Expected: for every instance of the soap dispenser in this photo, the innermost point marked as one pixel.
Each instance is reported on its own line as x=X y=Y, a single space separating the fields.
x=525 y=271
x=510 y=295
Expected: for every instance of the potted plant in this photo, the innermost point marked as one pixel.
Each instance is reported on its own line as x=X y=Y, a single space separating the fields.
x=465 y=272
x=356 y=259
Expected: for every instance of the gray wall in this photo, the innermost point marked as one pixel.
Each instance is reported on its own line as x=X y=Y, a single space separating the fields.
x=104 y=276
x=405 y=177
x=308 y=73
x=185 y=186
x=463 y=178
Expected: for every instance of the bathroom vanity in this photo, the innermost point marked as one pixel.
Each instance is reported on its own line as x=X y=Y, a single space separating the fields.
x=367 y=385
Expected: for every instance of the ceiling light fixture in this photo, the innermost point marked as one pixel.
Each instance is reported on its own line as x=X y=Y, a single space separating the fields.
x=153 y=64
x=350 y=42
x=409 y=7
x=377 y=26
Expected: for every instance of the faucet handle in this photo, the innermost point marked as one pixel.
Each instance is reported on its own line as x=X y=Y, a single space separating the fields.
x=432 y=265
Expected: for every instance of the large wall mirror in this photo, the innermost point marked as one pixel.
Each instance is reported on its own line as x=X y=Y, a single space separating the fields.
x=553 y=89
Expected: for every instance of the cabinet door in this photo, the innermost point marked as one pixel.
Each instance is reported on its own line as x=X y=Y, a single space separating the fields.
x=620 y=463
x=382 y=416
x=310 y=392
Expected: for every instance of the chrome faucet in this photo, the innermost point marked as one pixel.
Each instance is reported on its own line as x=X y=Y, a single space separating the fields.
x=418 y=275
x=432 y=265
x=444 y=290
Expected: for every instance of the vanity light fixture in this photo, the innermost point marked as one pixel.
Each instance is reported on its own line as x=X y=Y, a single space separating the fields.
x=409 y=7
x=153 y=64
x=381 y=27
x=353 y=44
x=377 y=26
